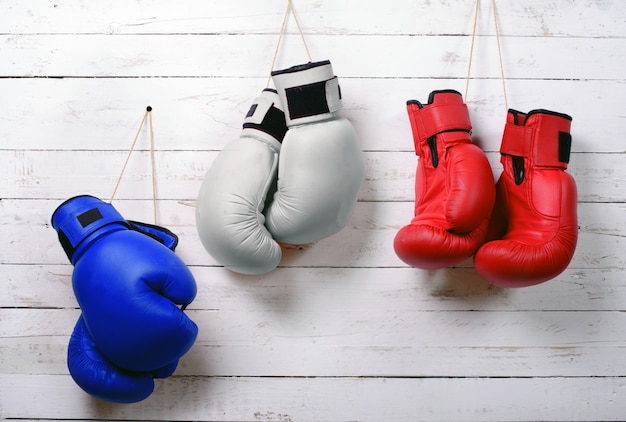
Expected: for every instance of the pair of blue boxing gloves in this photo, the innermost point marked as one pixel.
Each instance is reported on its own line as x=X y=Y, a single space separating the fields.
x=132 y=290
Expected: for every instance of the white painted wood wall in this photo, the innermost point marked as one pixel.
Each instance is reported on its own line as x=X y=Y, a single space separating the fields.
x=342 y=330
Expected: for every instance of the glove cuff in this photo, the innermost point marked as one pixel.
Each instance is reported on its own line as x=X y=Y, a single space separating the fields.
x=266 y=118
x=78 y=218
x=309 y=92
x=445 y=114
x=83 y=219
x=543 y=136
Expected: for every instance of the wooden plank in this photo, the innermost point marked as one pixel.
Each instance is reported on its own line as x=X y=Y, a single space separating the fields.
x=46 y=355
x=316 y=338
x=390 y=176
x=205 y=113
x=182 y=55
x=369 y=234
x=402 y=289
x=318 y=327
x=527 y=18
x=328 y=399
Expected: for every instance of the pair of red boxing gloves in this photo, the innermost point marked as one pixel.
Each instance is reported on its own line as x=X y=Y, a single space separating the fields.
x=521 y=230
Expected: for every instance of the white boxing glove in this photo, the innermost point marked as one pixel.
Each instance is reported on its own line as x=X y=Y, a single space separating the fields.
x=229 y=211
x=321 y=165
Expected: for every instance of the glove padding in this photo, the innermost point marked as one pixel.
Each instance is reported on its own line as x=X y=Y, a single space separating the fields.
x=454 y=186
x=128 y=283
x=321 y=166
x=101 y=378
x=533 y=231
x=229 y=210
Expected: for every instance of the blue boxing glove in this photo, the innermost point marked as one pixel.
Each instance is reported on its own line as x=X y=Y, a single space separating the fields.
x=98 y=376
x=128 y=283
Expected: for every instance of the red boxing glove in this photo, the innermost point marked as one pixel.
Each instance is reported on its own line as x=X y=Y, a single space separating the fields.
x=535 y=222
x=454 y=186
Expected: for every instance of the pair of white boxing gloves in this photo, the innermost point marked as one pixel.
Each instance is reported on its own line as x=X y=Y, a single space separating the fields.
x=293 y=176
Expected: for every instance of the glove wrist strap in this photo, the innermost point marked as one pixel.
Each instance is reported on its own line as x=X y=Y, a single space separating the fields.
x=79 y=218
x=541 y=135
x=309 y=92
x=266 y=115
x=445 y=116
x=82 y=219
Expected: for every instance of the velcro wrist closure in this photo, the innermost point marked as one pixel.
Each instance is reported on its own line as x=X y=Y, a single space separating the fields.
x=434 y=119
x=516 y=140
x=308 y=91
x=544 y=145
x=79 y=218
x=266 y=115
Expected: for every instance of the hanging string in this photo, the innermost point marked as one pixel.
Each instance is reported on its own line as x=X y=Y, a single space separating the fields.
x=152 y=166
x=146 y=115
x=280 y=36
x=295 y=18
x=471 y=55
x=495 y=21
x=283 y=26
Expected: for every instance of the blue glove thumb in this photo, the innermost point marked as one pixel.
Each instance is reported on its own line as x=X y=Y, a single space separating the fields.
x=102 y=379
